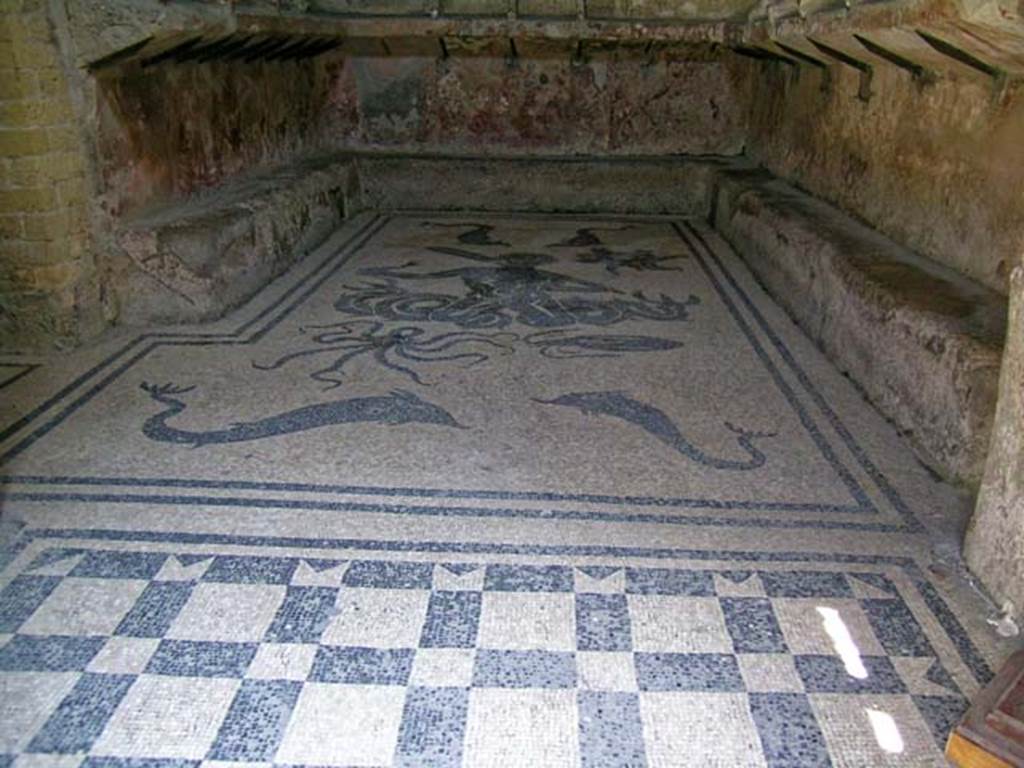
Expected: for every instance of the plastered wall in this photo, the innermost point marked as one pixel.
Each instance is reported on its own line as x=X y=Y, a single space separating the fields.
x=939 y=168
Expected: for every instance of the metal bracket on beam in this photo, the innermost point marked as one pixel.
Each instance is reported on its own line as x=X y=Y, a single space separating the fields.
x=118 y=56
x=821 y=66
x=172 y=53
x=214 y=50
x=227 y=51
x=578 y=56
x=762 y=54
x=293 y=48
x=865 y=69
x=273 y=47
x=922 y=75
x=512 y=60
x=318 y=47
x=1000 y=79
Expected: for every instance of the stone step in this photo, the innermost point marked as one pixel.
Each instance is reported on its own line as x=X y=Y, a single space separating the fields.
x=193 y=261
x=923 y=342
x=636 y=185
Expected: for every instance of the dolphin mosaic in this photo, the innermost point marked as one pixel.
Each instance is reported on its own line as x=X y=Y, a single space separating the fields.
x=398 y=407
x=653 y=421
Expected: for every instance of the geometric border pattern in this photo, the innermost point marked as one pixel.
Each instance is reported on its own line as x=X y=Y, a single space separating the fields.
x=191 y=655
x=187 y=492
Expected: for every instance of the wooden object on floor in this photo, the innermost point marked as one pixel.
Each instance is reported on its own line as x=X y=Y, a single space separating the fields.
x=991 y=734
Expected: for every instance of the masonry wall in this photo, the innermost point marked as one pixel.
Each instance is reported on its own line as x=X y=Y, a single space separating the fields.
x=172 y=130
x=49 y=291
x=939 y=168
x=995 y=540
x=544 y=103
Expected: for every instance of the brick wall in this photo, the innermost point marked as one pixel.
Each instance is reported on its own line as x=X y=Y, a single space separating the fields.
x=47 y=277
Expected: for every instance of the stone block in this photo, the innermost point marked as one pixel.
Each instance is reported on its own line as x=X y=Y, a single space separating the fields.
x=475 y=7
x=922 y=341
x=35 y=112
x=51 y=82
x=29 y=53
x=194 y=261
x=10 y=227
x=679 y=186
x=27 y=200
x=371 y=7
x=18 y=84
x=995 y=539
x=559 y=8
x=52 y=226
x=22 y=143
x=63 y=139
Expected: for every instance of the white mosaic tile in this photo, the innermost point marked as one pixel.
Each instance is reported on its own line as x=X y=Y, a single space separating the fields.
x=61 y=567
x=84 y=607
x=668 y=623
x=307 y=576
x=774 y=672
x=26 y=701
x=528 y=621
x=343 y=725
x=228 y=612
x=174 y=570
x=282 y=661
x=824 y=625
x=445 y=580
x=699 y=730
x=378 y=618
x=614 y=583
x=750 y=586
x=123 y=656
x=47 y=761
x=606 y=670
x=167 y=717
x=877 y=730
x=522 y=728
x=443 y=667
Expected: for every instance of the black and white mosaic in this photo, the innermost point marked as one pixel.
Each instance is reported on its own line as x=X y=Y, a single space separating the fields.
x=474 y=491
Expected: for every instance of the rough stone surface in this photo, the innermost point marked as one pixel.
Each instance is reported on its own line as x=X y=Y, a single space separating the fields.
x=995 y=539
x=470 y=504
x=549 y=105
x=939 y=168
x=923 y=342
x=48 y=288
x=194 y=261
x=241 y=116
x=679 y=186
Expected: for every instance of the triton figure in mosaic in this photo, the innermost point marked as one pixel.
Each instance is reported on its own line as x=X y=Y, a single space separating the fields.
x=478 y=234
x=587 y=236
x=560 y=344
x=408 y=343
x=506 y=288
x=641 y=261
x=652 y=420
x=398 y=407
x=413 y=345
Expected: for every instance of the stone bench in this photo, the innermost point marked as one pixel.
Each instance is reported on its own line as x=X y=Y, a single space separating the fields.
x=193 y=261
x=679 y=185
x=923 y=342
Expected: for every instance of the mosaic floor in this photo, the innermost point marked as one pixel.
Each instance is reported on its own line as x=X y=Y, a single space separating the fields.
x=498 y=491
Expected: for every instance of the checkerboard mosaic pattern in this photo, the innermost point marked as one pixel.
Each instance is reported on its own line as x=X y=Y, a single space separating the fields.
x=123 y=658
x=515 y=491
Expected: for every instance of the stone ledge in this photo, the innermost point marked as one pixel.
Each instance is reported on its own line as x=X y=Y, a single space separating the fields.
x=923 y=342
x=679 y=186
x=194 y=261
